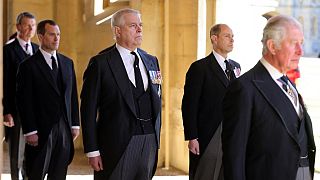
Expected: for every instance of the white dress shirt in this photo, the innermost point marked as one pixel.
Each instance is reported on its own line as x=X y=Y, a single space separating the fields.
x=47 y=57
x=128 y=60
x=23 y=46
x=221 y=60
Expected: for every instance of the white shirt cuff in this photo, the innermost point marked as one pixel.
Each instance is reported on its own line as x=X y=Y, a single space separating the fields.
x=93 y=154
x=75 y=127
x=30 y=133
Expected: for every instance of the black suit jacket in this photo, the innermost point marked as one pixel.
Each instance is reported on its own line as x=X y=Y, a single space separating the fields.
x=107 y=49
x=108 y=114
x=204 y=89
x=13 y=55
x=39 y=98
x=259 y=137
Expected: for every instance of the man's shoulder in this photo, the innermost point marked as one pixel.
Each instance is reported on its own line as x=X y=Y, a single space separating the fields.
x=152 y=60
x=100 y=58
x=251 y=75
x=64 y=57
x=66 y=60
x=198 y=67
x=145 y=53
x=202 y=62
x=235 y=63
x=10 y=44
x=107 y=49
x=35 y=45
x=142 y=51
x=104 y=56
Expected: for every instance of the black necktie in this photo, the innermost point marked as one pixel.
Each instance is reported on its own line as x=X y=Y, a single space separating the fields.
x=137 y=73
x=284 y=81
x=53 y=63
x=285 y=86
x=27 y=48
x=229 y=70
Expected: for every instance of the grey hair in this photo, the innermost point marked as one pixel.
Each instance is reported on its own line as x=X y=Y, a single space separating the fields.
x=22 y=15
x=276 y=29
x=117 y=17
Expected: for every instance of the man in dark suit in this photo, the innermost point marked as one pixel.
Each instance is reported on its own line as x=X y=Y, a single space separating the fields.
x=121 y=106
x=48 y=106
x=267 y=132
x=14 y=52
x=205 y=86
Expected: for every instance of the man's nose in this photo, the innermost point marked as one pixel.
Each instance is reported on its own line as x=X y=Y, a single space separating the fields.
x=139 y=28
x=299 y=49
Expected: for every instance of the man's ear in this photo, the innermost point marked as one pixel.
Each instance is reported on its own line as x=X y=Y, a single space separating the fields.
x=117 y=31
x=18 y=27
x=271 y=46
x=213 y=38
x=40 y=36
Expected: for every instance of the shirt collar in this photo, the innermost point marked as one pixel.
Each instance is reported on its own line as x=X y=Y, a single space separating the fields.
x=22 y=42
x=220 y=59
x=275 y=74
x=124 y=51
x=48 y=55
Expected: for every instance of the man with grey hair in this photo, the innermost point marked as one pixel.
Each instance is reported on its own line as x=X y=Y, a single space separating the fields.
x=121 y=106
x=267 y=132
x=14 y=52
x=206 y=83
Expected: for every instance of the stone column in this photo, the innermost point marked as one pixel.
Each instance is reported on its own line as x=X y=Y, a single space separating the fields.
x=68 y=15
x=183 y=51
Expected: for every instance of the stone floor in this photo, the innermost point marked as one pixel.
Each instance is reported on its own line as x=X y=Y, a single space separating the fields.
x=80 y=170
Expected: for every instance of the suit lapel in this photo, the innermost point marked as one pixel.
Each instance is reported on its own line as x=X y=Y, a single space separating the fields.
x=277 y=99
x=64 y=70
x=121 y=77
x=45 y=70
x=150 y=66
x=216 y=68
x=34 y=48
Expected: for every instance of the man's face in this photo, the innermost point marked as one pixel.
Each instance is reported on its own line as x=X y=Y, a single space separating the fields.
x=224 y=41
x=129 y=33
x=27 y=28
x=51 y=38
x=290 y=51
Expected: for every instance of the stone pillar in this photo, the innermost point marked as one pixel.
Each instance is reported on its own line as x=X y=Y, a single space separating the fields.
x=152 y=15
x=170 y=33
x=183 y=51
x=211 y=20
x=68 y=15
